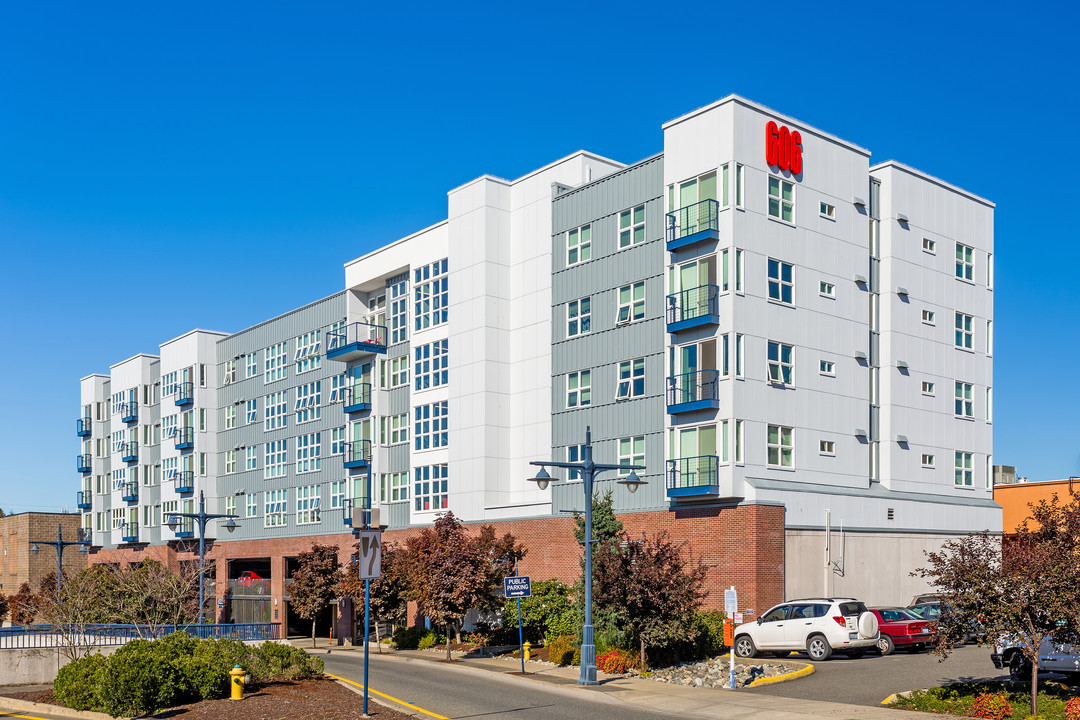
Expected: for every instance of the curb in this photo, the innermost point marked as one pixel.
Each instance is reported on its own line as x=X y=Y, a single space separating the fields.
x=805 y=670
x=27 y=706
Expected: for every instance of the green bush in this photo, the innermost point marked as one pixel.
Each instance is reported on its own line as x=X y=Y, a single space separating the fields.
x=565 y=623
x=278 y=661
x=611 y=638
x=709 y=625
x=141 y=677
x=562 y=649
x=431 y=639
x=541 y=611
x=77 y=683
x=407 y=638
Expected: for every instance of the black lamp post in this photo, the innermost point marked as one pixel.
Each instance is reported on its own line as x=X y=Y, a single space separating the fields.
x=201 y=517
x=59 y=545
x=588 y=470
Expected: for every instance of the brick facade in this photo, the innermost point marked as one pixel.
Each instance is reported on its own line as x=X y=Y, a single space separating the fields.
x=19 y=565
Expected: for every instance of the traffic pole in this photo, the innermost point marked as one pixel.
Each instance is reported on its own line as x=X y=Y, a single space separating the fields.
x=367 y=630
x=521 y=639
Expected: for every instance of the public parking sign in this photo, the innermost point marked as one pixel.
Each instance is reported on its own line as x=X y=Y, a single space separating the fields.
x=517 y=587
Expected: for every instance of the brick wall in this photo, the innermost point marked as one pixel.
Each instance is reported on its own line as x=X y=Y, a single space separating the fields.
x=19 y=565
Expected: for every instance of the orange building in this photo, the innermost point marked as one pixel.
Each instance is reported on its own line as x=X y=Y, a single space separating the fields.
x=1015 y=498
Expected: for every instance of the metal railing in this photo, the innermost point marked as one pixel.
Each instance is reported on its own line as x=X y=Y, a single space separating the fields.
x=129 y=412
x=690 y=472
x=184 y=437
x=357 y=452
x=358 y=394
x=185 y=393
x=704 y=215
x=129 y=532
x=82 y=463
x=50 y=636
x=85 y=500
x=701 y=301
x=365 y=336
x=129 y=451
x=185 y=481
x=249 y=588
x=84 y=426
x=129 y=491
x=693 y=387
x=83 y=535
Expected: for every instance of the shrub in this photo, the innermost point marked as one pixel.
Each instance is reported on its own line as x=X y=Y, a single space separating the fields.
x=77 y=683
x=709 y=625
x=431 y=639
x=617 y=662
x=566 y=622
x=277 y=661
x=991 y=706
x=141 y=678
x=562 y=649
x=541 y=611
x=407 y=638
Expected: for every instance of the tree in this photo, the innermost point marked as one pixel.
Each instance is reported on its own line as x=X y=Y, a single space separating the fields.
x=80 y=604
x=151 y=596
x=607 y=531
x=23 y=605
x=387 y=596
x=547 y=613
x=1027 y=585
x=316 y=582
x=448 y=572
x=3 y=607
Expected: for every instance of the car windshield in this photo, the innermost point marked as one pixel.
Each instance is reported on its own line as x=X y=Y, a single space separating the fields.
x=927 y=612
x=897 y=615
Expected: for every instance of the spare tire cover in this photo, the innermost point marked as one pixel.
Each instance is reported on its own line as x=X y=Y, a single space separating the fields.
x=868 y=625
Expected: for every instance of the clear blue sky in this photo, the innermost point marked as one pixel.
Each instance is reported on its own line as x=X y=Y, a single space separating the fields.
x=165 y=166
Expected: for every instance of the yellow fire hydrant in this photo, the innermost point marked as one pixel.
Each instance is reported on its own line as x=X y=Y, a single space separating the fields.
x=239 y=679
x=528 y=646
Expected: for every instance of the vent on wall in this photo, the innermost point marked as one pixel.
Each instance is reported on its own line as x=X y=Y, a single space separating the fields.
x=890 y=514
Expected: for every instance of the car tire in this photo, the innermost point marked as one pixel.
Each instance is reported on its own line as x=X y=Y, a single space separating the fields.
x=885 y=645
x=856 y=654
x=744 y=647
x=818 y=648
x=868 y=625
x=1019 y=667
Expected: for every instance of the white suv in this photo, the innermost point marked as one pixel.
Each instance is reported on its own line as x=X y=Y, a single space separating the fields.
x=817 y=626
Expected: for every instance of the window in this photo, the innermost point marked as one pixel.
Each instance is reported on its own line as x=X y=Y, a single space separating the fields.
x=738 y=270
x=230 y=505
x=337 y=494
x=202 y=419
x=575 y=453
x=929 y=245
x=429 y=365
x=963 y=476
x=252 y=365
x=274 y=363
x=307 y=504
x=928 y=317
x=990 y=270
x=275 y=508
x=989 y=337
x=251 y=459
x=394 y=429
x=337 y=440
x=781 y=363
x=202 y=463
x=309 y=401
x=168 y=386
x=579 y=389
x=826 y=210
x=307 y=351
x=781 y=283
x=579 y=245
x=781 y=199
x=725 y=367
x=399 y=296
x=827 y=447
x=230 y=462
x=430 y=427
x=964 y=261
x=965 y=407
x=738 y=441
x=394 y=372
x=781 y=446
x=927 y=460
x=308 y=452
x=739 y=186
x=631 y=303
x=337 y=389
x=230 y=417
x=631 y=227
x=827 y=289
x=631 y=452
x=827 y=367
x=275 y=411
x=631 y=379
x=252 y=411
x=274 y=462
x=964 y=335
x=927 y=388
x=230 y=373
x=252 y=505
x=394 y=487
x=430 y=293
x=429 y=487
x=578 y=317
x=738 y=355
x=989 y=404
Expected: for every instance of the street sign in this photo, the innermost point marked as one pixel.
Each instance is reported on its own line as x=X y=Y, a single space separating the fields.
x=370 y=555
x=517 y=587
x=731 y=602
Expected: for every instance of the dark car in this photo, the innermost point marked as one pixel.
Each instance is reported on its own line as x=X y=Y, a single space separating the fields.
x=932 y=611
x=253 y=581
x=899 y=627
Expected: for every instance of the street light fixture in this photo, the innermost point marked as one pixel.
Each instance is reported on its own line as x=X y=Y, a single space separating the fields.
x=588 y=471
x=59 y=546
x=201 y=518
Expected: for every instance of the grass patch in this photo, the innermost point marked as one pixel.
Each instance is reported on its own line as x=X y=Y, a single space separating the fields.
x=960 y=699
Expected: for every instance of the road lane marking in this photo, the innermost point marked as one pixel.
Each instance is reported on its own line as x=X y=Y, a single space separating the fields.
x=28 y=717
x=388 y=697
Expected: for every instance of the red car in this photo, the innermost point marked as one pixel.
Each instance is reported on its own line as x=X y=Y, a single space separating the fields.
x=900 y=626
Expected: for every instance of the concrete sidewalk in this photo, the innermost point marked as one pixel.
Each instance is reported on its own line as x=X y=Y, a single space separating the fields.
x=680 y=700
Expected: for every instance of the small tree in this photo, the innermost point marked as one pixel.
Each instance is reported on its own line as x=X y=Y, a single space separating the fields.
x=316 y=582
x=151 y=596
x=607 y=530
x=448 y=572
x=387 y=591
x=82 y=598
x=3 y=607
x=23 y=605
x=544 y=610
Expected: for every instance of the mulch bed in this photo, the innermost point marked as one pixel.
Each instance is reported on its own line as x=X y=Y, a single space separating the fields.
x=312 y=699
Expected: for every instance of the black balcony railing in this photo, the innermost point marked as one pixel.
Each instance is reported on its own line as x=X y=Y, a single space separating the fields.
x=82 y=463
x=693 y=307
x=357 y=397
x=84 y=427
x=693 y=475
x=85 y=500
x=354 y=340
x=185 y=481
x=129 y=532
x=185 y=393
x=129 y=451
x=129 y=492
x=357 y=453
x=129 y=412
x=693 y=390
x=184 y=439
x=700 y=221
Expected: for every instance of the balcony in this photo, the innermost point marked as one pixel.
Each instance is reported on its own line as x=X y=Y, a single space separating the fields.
x=693 y=224
x=129 y=532
x=358 y=398
x=691 y=477
x=357 y=454
x=82 y=463
x=184 y=438
x=185 y=393
x=83 y=535
x=84 y=427
x=185 y=482
x=85 y=500
x=355 y=341
x=185 y=527
x=693 y=391
x=695 y=307
x=129 y=412
x=129 y=492
x=129 y=451
x=346 y=513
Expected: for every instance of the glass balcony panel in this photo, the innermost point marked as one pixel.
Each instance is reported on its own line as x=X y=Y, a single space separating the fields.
x=355 y=340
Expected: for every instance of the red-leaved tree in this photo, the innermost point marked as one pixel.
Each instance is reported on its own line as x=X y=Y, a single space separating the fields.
x=315 y=583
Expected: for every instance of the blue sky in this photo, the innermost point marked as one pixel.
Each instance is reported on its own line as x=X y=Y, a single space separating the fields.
x=225 y=160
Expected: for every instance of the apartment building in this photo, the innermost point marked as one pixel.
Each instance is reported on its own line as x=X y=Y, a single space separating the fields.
x=796 y=344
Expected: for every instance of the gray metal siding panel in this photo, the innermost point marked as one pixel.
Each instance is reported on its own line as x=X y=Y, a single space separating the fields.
x=397 y=401
x=395 y=515
x=397 y=459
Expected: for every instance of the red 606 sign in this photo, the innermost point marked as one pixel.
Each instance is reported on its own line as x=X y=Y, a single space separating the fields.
x=783 y=148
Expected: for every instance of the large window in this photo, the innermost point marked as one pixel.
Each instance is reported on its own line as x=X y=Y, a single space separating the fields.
x=781 y=199
x=230 y=417
x=575 y=453
x=252 y=505
x=579 y=245
x=337 y=494
x=337 y=389
x=251 y=458
x=579 y=388
x=964 y=463
x=963 y=331
x=252 y=365
x=631 y=303
x=394 y=487
x=230 y=462
x=252 y=411
x=578 y=317
x=307 y=504
x=309 y=401
x=274 y=363
x=430 y=430
x=430 y=293
x=394 y=372
x=274 y=414
x=307 y=351
x=337 y=440
x=965 y=263
x=275 y=460
x=631 y=379
x=781 y=281
x=631 y=452
x=781 y=363
x=429 y=487
x=429 y=364
x=781 y=446
x=394 y=429
x=275 y=511
x=399 y=296
x=632 y=226
x=308 y=452
x=965 y=406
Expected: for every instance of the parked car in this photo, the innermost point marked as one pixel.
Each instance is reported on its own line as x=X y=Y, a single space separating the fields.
x=899 y=626
x=817 y=626
x=1055 y=657
x=251 y=578
x=925 y=598
x=932 y=611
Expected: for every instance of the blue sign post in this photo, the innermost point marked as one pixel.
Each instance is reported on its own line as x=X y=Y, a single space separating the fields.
x=518 y=587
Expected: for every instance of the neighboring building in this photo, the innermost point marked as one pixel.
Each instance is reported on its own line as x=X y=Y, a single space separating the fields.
x=1006 y=475
x=780 y=332
x=18 y=564
x=1016 y=499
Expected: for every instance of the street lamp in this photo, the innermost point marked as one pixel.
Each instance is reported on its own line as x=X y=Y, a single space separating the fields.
x=588 y=470
x=59 y=546
x=201 y=517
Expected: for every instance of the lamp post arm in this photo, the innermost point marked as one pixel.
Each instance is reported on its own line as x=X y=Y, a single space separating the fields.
x=598 y=467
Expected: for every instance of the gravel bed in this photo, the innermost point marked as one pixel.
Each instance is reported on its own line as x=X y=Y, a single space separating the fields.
x=716 y=673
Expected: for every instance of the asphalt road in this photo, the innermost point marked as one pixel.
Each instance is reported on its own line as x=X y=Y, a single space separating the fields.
x=464 y=693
